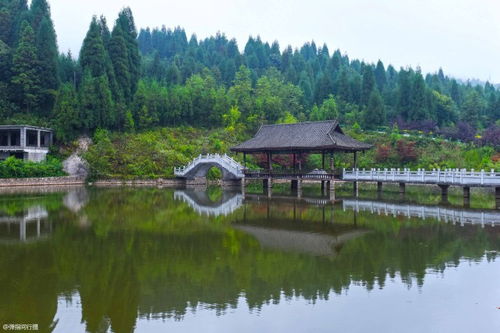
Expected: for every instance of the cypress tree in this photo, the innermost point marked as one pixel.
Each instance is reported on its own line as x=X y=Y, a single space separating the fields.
x=374 y=114
x=48 y=64
x=92 y=53
x=65 y=114
x=126 y=21
x=418 y=107
x=25 y=80
x=118 y=54
x=380 y=76
x=368 y=84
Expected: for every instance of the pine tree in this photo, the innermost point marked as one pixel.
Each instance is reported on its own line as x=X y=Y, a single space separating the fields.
x=47 y=64
x=25 y=80
x=93 y=53
x=126 y=21
x=472 y=108
x=374 y=115
x=65 y=114
x=368 y=84
x=380 y=76
x=118 y=53
x=418 y=106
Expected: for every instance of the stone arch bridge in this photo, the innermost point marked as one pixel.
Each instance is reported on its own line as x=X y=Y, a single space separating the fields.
x=198 y=168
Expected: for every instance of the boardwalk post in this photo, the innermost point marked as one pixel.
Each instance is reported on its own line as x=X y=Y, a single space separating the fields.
x=402 y=188
x=444 y=192
x=466 y=196
x=497 y=197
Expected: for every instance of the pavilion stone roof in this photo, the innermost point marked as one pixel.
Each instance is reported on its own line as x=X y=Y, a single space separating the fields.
x=307 y=136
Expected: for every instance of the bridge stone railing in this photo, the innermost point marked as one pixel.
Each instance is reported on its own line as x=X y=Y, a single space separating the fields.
x=449 y=176
x=223 y=161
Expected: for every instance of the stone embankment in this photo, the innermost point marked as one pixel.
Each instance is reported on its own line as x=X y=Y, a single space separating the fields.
x=45 y=181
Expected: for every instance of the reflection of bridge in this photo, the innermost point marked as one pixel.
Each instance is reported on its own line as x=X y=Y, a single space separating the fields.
x=29 y=224
x=202 y=204
x=446 y=214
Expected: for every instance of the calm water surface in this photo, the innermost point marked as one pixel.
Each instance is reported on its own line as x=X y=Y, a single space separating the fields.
x=161 y=260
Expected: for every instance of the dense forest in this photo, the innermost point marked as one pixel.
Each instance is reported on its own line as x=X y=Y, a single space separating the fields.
x=124 y=80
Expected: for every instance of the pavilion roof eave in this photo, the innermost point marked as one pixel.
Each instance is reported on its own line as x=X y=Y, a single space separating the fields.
x=291 y=150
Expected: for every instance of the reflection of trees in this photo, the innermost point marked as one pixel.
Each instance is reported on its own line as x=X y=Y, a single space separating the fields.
x=148 y=254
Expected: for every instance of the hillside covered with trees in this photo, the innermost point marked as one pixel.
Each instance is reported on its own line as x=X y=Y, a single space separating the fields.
x=129 y=81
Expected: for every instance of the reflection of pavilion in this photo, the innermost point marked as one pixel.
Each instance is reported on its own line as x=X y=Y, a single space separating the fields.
x=30 y=226
x=446 y=214
x=299 y=241
x=202 y=204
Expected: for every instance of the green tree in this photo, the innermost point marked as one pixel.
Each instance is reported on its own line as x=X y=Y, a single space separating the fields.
x=25 y=79
x=93 y=53
x=472 y=108
x=418 y=107
x=65 y=113
x=327 y=111
x=374 y=114
x=48 y=70
x=118 y=53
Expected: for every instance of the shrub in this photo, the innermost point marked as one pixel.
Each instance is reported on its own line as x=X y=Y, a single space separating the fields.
x=16 y=168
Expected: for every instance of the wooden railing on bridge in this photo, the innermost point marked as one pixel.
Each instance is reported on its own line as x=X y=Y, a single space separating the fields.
x=460 y=177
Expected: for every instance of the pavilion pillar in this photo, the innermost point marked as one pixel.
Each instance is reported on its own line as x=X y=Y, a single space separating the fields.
x=332 y=162
x=245 y=160
x=9 y=138
x=38 y=138
x=355 y=160
x=323 y=160
x=270 y=161
x=294 y=161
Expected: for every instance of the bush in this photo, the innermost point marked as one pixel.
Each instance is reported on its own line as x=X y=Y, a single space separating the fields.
x=16 y=168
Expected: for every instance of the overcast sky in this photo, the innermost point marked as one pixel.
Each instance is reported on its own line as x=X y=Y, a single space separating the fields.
x=461 y=36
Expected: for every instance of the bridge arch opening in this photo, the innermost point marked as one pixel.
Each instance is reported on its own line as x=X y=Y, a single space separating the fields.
x=214 y=173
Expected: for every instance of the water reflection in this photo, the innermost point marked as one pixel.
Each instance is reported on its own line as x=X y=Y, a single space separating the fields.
x=151 y=254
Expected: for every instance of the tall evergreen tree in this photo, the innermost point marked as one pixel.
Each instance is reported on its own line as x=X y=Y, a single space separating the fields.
x=374 y=115
x=126 y=21
x=65 y=114
x=380 y=76
x=25 y=79
x=93 y=53
x=118 y=53
x=368 y=84
x=418 y=107
x=47 y=64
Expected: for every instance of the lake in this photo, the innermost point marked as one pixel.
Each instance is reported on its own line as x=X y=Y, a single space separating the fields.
x=88 y=259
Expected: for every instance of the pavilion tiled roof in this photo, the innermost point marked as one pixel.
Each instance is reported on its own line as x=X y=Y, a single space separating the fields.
x=307 y=136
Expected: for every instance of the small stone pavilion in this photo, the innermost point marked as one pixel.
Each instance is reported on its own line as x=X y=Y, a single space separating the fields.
x=29 y=143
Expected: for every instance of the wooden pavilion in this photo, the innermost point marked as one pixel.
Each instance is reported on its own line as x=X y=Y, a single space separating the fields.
x=319 y=137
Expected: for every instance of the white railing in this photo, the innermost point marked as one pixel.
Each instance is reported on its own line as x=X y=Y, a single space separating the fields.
x=445 y=214
x=448 y=176
x=224 y=161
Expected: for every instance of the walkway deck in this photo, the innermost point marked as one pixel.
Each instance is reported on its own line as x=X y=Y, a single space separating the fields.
x=438 y=177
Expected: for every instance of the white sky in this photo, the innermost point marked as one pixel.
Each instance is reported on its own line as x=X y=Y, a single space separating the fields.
x=461 y=36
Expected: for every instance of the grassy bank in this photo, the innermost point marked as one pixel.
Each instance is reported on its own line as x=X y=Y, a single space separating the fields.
x=154 y=154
